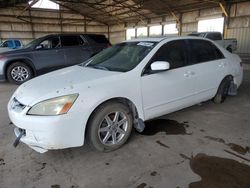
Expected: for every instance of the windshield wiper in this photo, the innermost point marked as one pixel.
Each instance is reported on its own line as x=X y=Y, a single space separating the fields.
x=98 y=67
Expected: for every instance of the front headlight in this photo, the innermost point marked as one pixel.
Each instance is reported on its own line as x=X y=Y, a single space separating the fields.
x=54 y=106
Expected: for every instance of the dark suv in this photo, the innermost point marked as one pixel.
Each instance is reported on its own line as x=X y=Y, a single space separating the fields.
x=49 y=53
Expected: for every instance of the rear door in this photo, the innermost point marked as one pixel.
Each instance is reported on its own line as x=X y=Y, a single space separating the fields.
x=168 y=91
x=75 y=48
x=210 y=66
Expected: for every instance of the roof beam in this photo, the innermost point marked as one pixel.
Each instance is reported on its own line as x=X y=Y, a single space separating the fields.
x=132 y=9
x=103 y=11
x=74 y=10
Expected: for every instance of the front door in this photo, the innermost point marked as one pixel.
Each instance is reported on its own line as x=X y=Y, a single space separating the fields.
x=168 y=91
x=49 y=55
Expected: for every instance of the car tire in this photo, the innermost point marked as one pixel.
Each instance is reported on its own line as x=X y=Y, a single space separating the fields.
x=19 y=73
x=222 y=91
x=109 y=127
x=229 y=49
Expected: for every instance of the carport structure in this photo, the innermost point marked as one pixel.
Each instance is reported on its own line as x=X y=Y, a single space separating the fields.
x=204 y=141
x=114 y=17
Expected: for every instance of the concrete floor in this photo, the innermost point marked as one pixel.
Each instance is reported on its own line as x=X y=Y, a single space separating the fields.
x=166 y=156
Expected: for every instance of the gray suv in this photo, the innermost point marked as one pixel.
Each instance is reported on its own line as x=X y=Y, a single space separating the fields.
x=49 y=53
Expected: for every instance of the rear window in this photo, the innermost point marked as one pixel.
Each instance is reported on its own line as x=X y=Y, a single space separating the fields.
x=202 y=51
x=214 y=36
x=101 y=39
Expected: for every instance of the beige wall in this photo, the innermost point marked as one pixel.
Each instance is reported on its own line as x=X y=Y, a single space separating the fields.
x=238 y=25
x=42 y=22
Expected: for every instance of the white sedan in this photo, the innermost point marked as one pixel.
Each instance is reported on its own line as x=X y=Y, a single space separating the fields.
x=103 y=99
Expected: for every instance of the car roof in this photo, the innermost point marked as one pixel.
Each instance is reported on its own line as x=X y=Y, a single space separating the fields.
x=159 y=39
x=205 y=32
x=69 y=34
x=151 y=39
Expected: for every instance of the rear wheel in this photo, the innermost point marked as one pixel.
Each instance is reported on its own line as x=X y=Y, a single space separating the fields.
x=19 y=73
x=110 y=126
x=223 y=89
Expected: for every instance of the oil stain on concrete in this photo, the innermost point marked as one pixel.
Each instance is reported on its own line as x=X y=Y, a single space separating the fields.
x=142 y=185
x=239 y=149
x=216 y=172
x=2 y=162
x=154 y=173
x=55 y=186
x=161 y=144
x=169 y=127
x=235 y=147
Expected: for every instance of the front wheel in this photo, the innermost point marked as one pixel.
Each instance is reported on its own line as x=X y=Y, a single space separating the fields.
x=110 y=126
x=19 y=73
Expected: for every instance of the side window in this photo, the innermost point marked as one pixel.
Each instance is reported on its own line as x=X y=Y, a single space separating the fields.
x=202 y=51
x=7 y=44
x=172 y=52
x=100 y=39
x=214 y=36
x=49 y=43
x=81 y=41
x=17 y=43
x=70 y=40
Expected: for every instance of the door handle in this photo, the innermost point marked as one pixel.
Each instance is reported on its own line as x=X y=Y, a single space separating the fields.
x=222 y=64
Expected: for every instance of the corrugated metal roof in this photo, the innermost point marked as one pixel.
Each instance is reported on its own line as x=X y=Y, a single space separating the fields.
x=124 y=11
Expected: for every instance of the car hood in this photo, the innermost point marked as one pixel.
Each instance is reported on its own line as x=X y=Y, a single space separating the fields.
x=14 y=51
x=61 y=82
x=2 y=49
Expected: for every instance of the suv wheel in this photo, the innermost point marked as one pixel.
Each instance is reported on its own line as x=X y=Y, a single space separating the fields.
x=19 y=73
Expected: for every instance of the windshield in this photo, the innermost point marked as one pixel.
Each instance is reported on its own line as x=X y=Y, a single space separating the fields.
x=32 y=43
x=122 y=57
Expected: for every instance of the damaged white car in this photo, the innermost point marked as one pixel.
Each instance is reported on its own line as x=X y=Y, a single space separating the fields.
x=103 y=99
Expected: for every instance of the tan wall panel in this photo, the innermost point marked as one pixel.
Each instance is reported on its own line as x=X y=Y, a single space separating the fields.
x=243 y=39
x=210 y=12
x=190 y=27
x=190 y=17
x=97 y=29
x=47 y=28
x=239 y=22
x=117 y=37
x=243 y=9
x=20 y=27
x=5 y=27
x=19 y=35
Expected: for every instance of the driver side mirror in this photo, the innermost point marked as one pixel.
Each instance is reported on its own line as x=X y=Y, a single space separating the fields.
x=159 y=66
